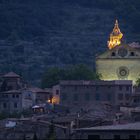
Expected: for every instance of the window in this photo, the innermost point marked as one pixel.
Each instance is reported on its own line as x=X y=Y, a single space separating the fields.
x=132 y=54
x=116 y=137
x=64 y=96
x=5 y=96
x=75 y=97
x=127 y=88
x=57 y=92
x=75 y=87
x=120 y=96
x=97 y=88
x=87 y=96
x=92 y=137
x=13 y=95
x=109 y=97
x=134 y=100
x=127 y=96
x=97 y=97
x=9 y=87
x=17 y=96
x=15 y=105
x=113 y=54
x=120 y=87
x=132 y=137
x=4 y=105
x=109 y=87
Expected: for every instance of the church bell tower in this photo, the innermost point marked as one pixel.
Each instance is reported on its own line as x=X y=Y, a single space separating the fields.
x=115 y=36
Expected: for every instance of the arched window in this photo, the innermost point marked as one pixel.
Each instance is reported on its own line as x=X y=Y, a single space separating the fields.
x=113 y=54
x=132 y=54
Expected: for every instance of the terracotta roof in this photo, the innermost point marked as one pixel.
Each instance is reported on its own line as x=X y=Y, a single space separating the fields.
x=11 y=74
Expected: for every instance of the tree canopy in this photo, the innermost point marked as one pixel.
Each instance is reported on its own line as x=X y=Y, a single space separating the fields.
x=138 y=82
x=78 y=72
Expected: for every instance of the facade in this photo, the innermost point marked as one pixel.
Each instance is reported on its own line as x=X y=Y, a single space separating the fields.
x=10 y=93
x=16 y=95
x=56 y=94
x=120 y=62
x=33 y=96
x=84 y=93
x=11 y=101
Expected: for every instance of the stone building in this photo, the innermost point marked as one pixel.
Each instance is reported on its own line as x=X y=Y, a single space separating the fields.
x=10 y=93
x=16 y=95
x=121 y=131
x=34 y=95
x=84 y=93
x=56 y=94
x=11 y=101
x=120 y=61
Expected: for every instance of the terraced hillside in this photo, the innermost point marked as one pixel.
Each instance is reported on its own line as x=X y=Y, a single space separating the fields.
x=37 y=35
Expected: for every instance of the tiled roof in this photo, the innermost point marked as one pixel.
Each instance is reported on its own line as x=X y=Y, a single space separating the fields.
x=11 y=74
x=95 y=82
x=129 y=126
x=12 y=91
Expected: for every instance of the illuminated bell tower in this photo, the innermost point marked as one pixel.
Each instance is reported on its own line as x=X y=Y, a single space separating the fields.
x=115 y=36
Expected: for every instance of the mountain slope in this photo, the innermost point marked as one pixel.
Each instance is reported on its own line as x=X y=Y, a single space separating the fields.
x=39 y=34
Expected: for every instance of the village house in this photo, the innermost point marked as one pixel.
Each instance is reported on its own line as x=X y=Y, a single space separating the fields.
x=120 y=131
x=16 y=95
x=34 y=95
x=82 y=93
x=10 y=93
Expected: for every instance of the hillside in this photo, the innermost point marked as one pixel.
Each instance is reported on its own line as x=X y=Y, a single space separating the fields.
x=38 y=34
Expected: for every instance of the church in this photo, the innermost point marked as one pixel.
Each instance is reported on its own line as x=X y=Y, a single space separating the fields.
x=121 y=61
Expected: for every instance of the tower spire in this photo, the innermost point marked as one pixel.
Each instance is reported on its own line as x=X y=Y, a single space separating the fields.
x=115 y=36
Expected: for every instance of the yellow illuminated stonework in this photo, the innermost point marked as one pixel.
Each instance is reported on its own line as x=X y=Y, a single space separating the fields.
x=120 y=61
x=115 y=37
x=55 y=100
